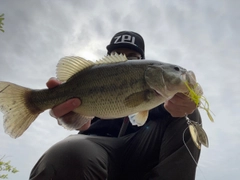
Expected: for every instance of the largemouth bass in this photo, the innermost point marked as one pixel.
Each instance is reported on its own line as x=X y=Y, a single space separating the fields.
x=112 y=87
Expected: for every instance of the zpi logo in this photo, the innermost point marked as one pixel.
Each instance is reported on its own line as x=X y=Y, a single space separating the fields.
x=125 y=39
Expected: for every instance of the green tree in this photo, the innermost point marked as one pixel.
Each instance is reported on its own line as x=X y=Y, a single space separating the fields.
x=1 y=22
x=6 y=168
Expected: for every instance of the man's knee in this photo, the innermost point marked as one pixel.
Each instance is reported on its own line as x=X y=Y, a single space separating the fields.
x=73 y=158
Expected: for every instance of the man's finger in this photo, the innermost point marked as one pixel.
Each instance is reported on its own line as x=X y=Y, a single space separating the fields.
x=52 y=82
x=66 y=107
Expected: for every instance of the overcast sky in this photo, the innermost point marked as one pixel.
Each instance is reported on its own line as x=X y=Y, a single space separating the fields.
x=200 y=35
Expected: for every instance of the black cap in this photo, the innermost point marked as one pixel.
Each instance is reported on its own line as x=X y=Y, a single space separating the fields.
x=127 y=39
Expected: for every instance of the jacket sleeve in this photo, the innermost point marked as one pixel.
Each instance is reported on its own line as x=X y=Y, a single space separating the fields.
x=160 y=112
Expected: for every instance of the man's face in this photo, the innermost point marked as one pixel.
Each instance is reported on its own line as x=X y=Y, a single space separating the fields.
x=130 y=54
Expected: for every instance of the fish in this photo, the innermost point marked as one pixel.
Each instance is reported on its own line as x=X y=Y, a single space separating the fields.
x=109 y=88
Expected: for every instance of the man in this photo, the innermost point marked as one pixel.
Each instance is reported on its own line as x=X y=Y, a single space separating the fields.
x=114 y=149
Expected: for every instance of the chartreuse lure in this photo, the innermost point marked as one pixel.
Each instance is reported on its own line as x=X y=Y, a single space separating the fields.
x=196 y=96
x=198 y=135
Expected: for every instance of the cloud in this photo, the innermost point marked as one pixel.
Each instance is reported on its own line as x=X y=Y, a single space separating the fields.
x=200 y=35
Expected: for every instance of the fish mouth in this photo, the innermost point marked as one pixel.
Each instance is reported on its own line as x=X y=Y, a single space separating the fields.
x=190 y=77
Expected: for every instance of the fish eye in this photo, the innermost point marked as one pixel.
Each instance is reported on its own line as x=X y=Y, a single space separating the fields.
x=177 y=68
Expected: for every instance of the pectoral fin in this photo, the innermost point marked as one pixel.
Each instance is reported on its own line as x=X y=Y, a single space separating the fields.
x=137 y=98
x=139 y=118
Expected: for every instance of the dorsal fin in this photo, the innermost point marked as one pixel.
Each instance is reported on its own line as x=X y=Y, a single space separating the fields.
x=70 y=65
x=112 y=59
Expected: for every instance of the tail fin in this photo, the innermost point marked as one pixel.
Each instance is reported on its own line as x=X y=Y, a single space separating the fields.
x=13 y=103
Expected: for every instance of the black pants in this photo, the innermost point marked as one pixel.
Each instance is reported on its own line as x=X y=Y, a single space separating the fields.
x=156 y=151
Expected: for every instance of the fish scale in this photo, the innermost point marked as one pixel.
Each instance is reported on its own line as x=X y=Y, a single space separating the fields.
x=108 y=91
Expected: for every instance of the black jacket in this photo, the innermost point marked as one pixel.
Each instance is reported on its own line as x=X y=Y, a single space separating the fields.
x=111 y=127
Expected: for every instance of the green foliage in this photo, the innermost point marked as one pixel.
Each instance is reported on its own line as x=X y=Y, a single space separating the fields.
x=5 y=166
x=1 y=25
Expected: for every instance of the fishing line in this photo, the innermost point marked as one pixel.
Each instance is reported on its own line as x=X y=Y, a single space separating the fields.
x=185 y=144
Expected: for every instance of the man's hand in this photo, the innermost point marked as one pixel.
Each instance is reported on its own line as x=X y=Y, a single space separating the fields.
x=64 y=110
x=180 y=105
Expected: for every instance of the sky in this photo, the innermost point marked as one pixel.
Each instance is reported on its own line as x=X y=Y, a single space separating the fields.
x=199 y=35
